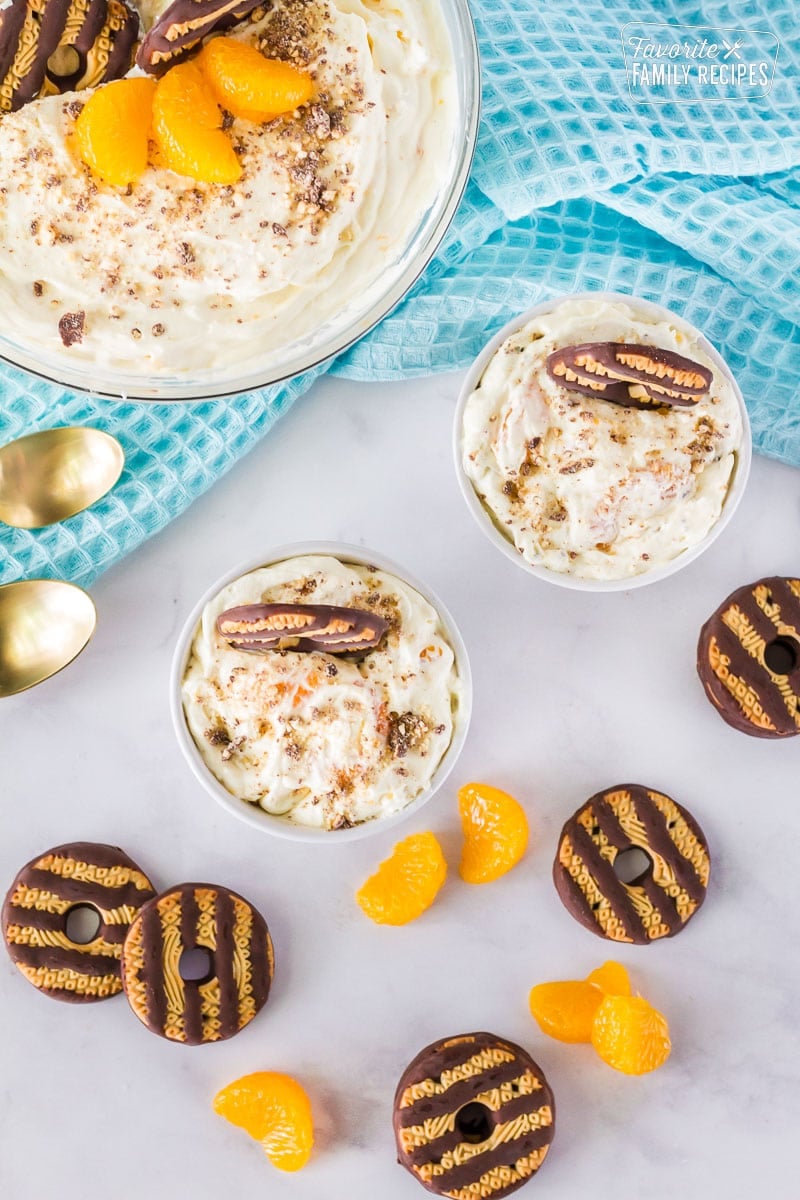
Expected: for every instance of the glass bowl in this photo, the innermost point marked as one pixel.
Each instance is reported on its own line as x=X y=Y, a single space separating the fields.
x=336 y=335
x=255 y=816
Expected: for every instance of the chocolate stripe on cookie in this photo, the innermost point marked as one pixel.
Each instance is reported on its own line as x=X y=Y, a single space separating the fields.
x=734 y=653
x=469 y=1170
x=447 y=1142
x=460 y=1066
x=459 y=1093
x=673 y=886
x=36 y=912
x=197 y=910
x=83 y=891
x=109 y=55
x=32 y=44
x=658 y=903
x=606 y=881
x=51 y=46
x=12 y=20
x=663 y=836
x=473 y=1116
x=65 y=957
x=237 y=939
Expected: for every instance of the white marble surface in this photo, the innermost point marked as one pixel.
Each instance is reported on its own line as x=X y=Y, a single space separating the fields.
x=573 y=693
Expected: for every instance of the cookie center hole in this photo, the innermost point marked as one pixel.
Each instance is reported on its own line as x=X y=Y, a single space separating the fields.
x=83 y=924
x=631 y=866
x=63 y=62
x=474 y=1122
x=781 y=656
x=196 y=965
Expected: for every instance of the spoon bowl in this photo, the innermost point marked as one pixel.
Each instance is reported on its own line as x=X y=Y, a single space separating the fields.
x=49 y=476
x=44 y=625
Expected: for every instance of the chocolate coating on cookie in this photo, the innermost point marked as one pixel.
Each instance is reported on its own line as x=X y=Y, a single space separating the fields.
x=328 y=627
x=100 y=36
x=660 y=902
x=473 y=1117
x=184 y=24
x=748 y=658
x=630 y=374
x=187 y=917
x=34 y=918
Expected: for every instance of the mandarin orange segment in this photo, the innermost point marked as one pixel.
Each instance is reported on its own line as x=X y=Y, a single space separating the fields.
x=630 y=1035
x=113 y=128
x=611 y=977
x=495 y=832
x=276 y=1111
x=187 y=127
x=248 y=84
x=406 y=883
x=566 y=1010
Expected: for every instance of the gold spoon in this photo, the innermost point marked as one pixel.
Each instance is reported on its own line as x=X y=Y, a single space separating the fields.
x=48 y=476
x=44 y=625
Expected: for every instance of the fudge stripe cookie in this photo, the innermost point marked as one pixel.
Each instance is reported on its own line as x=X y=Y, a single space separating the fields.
x=748 y=658
x=188 y=917
x=661 y=901
x=473 y=1117
x=51 y=46
x=37 y=907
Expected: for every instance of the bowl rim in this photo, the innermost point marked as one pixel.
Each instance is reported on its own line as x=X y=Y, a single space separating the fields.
x=251 y=814
x=736 y=486
x=87 y=380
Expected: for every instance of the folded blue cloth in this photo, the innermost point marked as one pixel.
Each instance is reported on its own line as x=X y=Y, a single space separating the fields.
x=583 y=180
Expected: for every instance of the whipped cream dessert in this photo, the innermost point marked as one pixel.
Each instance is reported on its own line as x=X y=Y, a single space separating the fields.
x=325 y=740
x=586 y=487
x=176 y=278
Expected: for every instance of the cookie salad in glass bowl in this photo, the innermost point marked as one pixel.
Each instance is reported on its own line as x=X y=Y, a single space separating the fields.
x=199 y=197
x=319 y=693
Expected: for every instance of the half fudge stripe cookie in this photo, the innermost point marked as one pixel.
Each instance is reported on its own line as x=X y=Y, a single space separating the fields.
x=748 y=658
x=197 y=916
x=473 y=1117
x=661 y=900
x=174 y=28
x=36 y=911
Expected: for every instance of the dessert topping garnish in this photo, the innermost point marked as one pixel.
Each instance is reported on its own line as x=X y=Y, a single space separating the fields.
x=50 y=46
x=248 y=84
x=632 y=375
x=182 y=25
x=262 y=627
x=179 y=123
x=113 y=128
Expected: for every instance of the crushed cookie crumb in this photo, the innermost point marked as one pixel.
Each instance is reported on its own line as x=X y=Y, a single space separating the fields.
x=71 y=328
x=407 y=731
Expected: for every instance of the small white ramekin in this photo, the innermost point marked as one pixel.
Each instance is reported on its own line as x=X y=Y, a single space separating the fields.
x=506 y=545
x=252 y=814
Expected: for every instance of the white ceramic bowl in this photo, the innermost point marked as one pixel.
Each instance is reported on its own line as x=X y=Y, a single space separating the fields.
x=251 y=813
x=505 y=544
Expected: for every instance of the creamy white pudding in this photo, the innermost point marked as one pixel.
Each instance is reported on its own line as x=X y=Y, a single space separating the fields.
x=583 y=486
x=172 y=277
x=326 y=740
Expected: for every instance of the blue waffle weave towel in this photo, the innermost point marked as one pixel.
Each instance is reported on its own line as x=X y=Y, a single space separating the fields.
x=587 y=176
